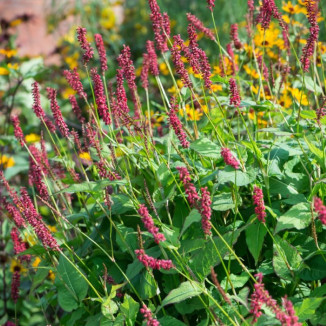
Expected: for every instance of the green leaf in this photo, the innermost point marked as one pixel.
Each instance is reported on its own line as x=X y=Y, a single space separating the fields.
x=315 y=269
x=145 y=285
x=207 y=256
x=238 y=281
x=170 y=321
x=307 y=308
x=312 y=86
x=72 y=287
x=298 y=217
x=109 y=308
x=255 y=235
x=223 y=202
x=314 y=149
x=237 y=177
x=129 y=308
x=130 y=237
x=121 y=204
x=219 y=79
x=193 y=217
x=308 y=114
x=92 y=186
x=185 y=291
x=286 y=259
x=206 y=147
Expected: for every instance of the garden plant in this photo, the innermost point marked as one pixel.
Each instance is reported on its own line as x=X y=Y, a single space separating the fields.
x=183 y=188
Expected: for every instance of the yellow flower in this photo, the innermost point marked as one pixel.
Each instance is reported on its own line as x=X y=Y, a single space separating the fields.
x=72 y=61
x=4 y=71
x=267 y=38
x=16 y=266
x=13 y=66
x=163 y=68
x=36 y=262
x=107 y=19
x=192 y=113
x=216 y=87
x=85 y=156
x=293 y=9
x=51 y=275
x=52 y=228
x=155 y=118
x=32 y=138
x=285 y=101
x=6 y=162
x=251 y=72
x=260 y=121
x=67 y=92
x=299 y=96
x=286 y=18
x=8 y=52
x=15 y=22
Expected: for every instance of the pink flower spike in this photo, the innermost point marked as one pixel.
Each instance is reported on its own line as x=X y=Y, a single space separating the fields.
x=100 y=98
x=190 y=189
x=206 y=210
x=258 y=198
x=199 y=25
x=148 y=316
x=18 y=130
x=320 y=209
x=84 y=44
x=211 y=4
x=15 y=283
x=52 y=96
x=176 y=124
x=73 y=79
x=229 y=159
x=152 y=262
x=234 y=97
x=149 y=224
x=101 y=52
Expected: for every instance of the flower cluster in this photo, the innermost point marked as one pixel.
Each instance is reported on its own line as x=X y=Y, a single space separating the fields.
x=235 y=96
x=84 y=44
x=149 y=224
x=177 y=61
x=73 y=79
x=152 y=262
x=205 y=210
x=200 y=26
x=261 y=297
x=320 y=209
x=100 y=97
x=37 y=108
x=18 y=130
x=176 y=124
x=35 y=220
x=235 y=36
x=258 y=198
x=58 y=118
x=19 y=245
x=229 y=159
x=161 y=26
x=14 y=213
x=152 y=58
x=308 y=50
x=211 y=4
x=190 y=189
x=101 y=52
x=147 y=314
x=15 y=283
